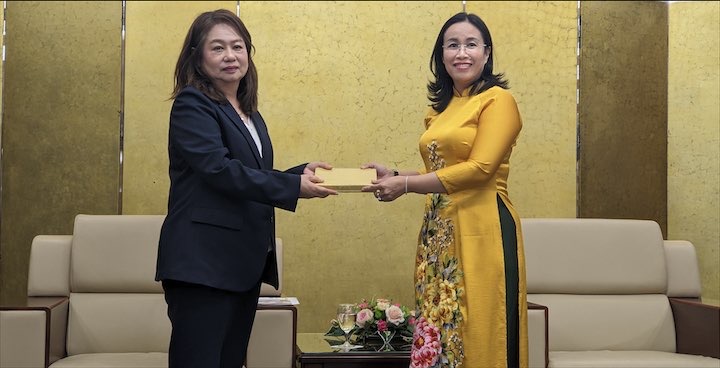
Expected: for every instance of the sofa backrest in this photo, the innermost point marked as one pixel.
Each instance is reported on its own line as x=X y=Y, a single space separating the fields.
x=603 y=280
x=112 y=253
x=50 y=269
x=594 y=256
x=115 y=303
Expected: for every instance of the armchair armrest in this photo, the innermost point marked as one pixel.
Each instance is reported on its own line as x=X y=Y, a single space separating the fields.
x=538 y=343
x=33 y=334
x=697 y=327
x=273 y=338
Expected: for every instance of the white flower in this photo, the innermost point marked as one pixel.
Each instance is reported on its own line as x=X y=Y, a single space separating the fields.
x=394 y=315
x=382 y=304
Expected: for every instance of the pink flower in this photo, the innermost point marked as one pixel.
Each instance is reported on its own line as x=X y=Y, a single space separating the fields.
x=394 y=315
x=382 y=326
x=426 y=347
x=364 y=316
x=411 y=321
x=363 y=305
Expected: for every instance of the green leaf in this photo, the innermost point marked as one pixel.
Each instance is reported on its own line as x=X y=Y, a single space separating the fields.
x=335 y=330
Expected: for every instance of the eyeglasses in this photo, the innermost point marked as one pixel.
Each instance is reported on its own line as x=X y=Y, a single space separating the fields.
x=470 y=46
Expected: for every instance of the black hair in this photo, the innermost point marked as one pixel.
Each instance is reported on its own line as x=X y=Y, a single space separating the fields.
x=440 y=91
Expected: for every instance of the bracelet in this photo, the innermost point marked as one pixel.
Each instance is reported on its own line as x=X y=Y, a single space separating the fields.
x=406 y=180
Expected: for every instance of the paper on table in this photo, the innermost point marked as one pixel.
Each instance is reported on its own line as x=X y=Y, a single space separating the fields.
x=346 y=179
x=274 y=300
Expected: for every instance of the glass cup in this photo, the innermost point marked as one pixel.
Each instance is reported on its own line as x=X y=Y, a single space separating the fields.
x=346 y=315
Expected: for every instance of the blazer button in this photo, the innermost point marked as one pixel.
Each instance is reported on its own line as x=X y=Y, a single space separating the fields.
x=272 y=218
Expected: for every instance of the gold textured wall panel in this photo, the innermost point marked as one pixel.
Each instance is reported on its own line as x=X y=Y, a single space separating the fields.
x=2 y=42
x=345 y=82
x=2 y=275
x=535 y=46
x=155 y=31
x=60 y=123
x=622 y=170
x=694 y=134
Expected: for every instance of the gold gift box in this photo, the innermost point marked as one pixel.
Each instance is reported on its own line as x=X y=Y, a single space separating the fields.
x=346 y=179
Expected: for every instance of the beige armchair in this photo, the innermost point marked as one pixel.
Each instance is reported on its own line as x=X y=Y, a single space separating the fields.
x=93 y=302
x=618 y=295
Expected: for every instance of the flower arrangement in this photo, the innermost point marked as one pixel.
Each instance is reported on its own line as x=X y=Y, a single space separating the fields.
x=380 y=324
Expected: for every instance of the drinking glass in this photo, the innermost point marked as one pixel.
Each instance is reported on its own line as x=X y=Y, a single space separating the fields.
x=346 y=314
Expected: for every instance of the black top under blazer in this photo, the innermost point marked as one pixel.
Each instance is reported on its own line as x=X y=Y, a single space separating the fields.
x=220 y=228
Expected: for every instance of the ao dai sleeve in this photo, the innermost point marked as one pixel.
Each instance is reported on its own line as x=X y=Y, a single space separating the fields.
x=499 y=124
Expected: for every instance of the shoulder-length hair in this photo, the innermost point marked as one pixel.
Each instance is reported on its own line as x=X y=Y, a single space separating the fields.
x=188 y=70
x=440 y=91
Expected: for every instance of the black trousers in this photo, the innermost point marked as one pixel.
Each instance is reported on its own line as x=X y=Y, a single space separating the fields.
x=210 y=327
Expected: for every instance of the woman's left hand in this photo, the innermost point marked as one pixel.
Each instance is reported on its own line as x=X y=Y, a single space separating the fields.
x=382 y=171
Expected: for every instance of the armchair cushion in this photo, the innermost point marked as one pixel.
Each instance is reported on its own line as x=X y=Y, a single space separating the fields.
x=628 y=359
x=609 y=322
x=117 y=323
x=114 y=360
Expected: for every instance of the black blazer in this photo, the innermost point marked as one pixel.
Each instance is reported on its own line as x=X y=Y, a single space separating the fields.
x=220 y=228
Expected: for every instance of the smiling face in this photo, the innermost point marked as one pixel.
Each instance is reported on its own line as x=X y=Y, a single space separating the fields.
x=462 y=61
x=225 y=58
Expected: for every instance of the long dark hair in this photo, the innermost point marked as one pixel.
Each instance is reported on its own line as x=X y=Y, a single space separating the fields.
x=440 y=91
x=188 y=70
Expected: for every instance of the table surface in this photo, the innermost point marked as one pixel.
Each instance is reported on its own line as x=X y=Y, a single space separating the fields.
x=317 y=344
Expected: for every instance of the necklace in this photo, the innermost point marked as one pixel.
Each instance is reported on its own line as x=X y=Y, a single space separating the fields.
x=240 y=113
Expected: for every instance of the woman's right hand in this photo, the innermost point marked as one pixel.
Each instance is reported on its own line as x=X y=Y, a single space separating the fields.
x=310 y=189
x=382 y=171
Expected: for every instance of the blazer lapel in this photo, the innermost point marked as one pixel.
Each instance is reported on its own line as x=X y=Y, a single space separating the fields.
x=262 y=130
x=235 y=118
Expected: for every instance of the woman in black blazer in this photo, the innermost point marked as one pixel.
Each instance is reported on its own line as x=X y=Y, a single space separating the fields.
x=217 y=244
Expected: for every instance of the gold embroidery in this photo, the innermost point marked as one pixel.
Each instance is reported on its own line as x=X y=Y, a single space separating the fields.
x=438 y=278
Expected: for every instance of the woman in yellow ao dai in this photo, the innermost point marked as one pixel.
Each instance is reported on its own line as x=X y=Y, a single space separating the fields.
x=470 y=269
